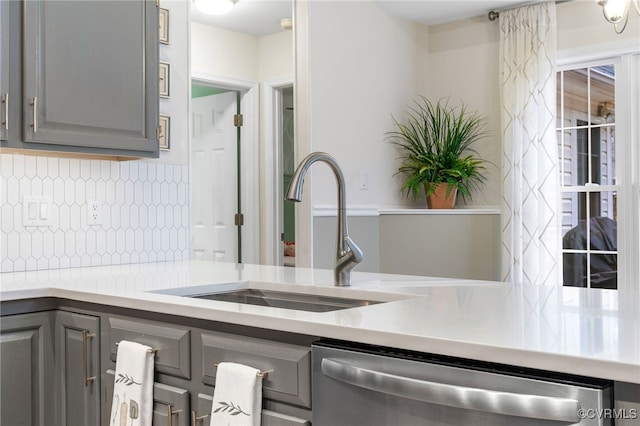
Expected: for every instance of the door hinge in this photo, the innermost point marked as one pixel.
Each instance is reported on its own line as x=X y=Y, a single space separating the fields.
x=238 y=219
x=237 y=120
x=282 y=236
x=158 y=133
x=157 y=3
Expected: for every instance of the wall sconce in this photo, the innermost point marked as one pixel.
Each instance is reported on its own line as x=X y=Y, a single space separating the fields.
x=214 y=7
x=617 y=12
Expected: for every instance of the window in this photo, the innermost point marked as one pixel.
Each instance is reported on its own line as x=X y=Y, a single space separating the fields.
x=586 y=125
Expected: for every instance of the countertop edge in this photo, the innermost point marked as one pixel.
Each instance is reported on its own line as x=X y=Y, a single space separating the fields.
x=561 y=363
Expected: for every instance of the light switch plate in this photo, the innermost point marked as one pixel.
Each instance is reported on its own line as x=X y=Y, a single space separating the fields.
x=36 y=210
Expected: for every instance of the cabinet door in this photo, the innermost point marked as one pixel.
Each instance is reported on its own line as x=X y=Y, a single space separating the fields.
x=170 y=406
x=170 y=403
x=26 y=369
x=201 y=415
x=90 y=80
x=10 y=70
x=77 y=368
x=4 y=69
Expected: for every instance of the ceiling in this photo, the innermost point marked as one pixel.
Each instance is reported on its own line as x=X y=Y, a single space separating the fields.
x=262 y=17
x=253 y=17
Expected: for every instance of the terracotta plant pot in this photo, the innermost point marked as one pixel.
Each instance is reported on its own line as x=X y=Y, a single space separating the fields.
x=439 y=199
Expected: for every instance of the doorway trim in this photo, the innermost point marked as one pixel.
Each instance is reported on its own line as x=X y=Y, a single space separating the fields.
x=249 y=151
x=271 y=182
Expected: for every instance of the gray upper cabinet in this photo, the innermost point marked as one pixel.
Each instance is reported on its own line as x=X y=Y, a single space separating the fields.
x=89 y=77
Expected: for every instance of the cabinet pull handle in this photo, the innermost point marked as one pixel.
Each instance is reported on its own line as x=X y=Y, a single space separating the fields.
x=5 y=101
x=85 y=358
x=170 y=414
x=262 y=374
x=195 y=419
x=149 y=351
x=34 y=103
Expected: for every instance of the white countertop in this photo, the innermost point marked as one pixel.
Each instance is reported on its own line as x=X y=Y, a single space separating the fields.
x=593 y=333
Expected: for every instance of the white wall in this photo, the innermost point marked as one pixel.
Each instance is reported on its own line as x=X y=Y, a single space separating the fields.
x=463 y=66
x=275 y=56
x=176 y=54
x=223 y=53
x=363 y=67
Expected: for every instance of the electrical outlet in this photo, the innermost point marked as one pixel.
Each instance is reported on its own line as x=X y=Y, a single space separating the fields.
x=94 y=212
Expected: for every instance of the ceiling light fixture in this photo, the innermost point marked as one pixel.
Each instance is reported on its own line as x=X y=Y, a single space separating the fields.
x=617 y=12
x=214 y=7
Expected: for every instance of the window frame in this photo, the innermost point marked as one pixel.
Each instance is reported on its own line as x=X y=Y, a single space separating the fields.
x=627 y=124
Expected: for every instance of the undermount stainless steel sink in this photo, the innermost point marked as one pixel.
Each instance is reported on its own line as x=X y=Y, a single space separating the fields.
x=305 y=298
x=286 y=300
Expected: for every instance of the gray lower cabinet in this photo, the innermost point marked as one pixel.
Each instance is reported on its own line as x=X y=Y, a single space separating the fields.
x=77 y=368
x=26 y=363
x=58 y=367
x=83 y=76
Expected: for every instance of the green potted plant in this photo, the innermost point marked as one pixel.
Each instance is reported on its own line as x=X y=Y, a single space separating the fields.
x=435 y=145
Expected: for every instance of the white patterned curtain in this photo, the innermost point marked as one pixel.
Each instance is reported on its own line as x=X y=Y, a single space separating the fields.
x=531 y=243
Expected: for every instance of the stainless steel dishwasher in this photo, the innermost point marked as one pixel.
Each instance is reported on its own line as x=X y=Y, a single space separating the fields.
x=366 y=385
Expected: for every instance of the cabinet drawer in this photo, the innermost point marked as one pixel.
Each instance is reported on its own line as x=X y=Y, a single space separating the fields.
x=268 y=417
x=172 y=344
x=290 y=380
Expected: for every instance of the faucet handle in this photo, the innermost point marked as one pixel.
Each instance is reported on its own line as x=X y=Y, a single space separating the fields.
x=356 y=253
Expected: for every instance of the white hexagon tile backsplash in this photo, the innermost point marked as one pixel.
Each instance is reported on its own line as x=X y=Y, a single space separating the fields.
x=143 y=212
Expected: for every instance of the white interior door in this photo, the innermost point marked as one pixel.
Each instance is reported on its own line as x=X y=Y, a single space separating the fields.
x=214 y=168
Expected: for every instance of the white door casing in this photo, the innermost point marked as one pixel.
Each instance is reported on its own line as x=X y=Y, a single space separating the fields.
x=214 y=158
x=271 y=179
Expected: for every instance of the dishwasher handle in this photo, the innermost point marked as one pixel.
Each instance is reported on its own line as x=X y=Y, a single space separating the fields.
x=506 y=403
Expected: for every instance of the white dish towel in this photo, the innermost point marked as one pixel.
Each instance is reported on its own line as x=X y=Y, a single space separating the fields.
x=237 y=397
x=132 y=403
